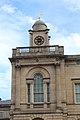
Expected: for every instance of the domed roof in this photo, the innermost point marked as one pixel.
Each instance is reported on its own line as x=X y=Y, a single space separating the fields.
x=39 y=22
x=39 y=25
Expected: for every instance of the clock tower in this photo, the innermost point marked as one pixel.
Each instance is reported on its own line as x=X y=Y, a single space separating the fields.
x=37 y=74
x=39 y=34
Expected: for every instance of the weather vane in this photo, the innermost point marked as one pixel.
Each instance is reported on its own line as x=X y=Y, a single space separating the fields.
x=40 y=16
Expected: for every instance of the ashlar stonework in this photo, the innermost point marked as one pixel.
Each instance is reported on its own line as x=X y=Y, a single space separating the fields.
x=45 y=82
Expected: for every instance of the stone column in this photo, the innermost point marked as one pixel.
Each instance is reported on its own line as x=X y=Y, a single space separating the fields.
x=31 y=94
x=13 y=85
x=23 y=89
x=56 y=50
x=58 y=88
x=18 y=87
x=63 y=84
x=31 y=37
x=45 y=94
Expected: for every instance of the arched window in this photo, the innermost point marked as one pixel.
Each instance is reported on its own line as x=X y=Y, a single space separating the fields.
x=38 y=88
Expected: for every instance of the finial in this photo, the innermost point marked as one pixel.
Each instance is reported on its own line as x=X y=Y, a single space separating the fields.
x=40 y=15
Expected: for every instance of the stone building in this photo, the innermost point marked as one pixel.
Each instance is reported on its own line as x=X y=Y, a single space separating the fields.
x=5 y=109
x=45 y=82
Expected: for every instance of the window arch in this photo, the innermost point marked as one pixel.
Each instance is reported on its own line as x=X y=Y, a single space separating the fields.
x=38 y=88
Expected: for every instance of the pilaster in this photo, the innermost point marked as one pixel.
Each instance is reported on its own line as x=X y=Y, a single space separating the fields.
x=45 y=94
x=58 y=88
x=18 y=87
x=31 y=95
x=63 y=83
x=13 y=85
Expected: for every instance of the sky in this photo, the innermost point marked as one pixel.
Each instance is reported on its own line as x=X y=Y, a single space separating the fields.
x=17 y=17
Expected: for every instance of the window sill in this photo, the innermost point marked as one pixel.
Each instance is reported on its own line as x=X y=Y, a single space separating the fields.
x=39 y=103
x=77 y=103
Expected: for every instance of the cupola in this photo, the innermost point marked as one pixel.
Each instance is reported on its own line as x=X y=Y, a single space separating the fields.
x=39 y=34
x=39 y=25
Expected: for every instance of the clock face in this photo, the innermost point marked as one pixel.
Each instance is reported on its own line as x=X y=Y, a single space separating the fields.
x=39 y=40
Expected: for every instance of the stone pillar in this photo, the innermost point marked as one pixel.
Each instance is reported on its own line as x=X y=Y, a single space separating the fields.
x=17 y=87
x=31 y=94
x=52 y=88
x=13 y=85
x=23 y=89
x=31 y=38
x=45 y=94
x=46 y=37
x=58 y=88
x=56 y=49
x=63 y=84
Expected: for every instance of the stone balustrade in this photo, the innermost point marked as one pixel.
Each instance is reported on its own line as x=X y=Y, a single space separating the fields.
x=22 y=51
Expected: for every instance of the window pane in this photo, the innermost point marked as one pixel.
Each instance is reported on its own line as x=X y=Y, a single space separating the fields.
x=28 y=86
x=77 y=88
x=77 y=97
x=77 y=92
x=38 y=88
x=48 y=93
